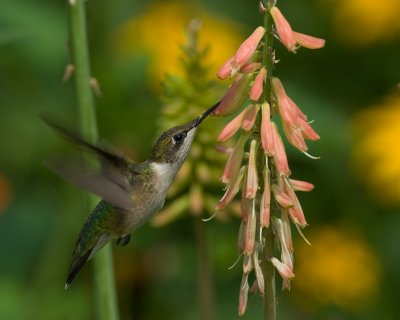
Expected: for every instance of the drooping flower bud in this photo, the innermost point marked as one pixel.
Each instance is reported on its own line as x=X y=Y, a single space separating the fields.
x=249 y=46
x=283 y=29
x=281 y=197
x=232 y=127
x=250 y=117
x=256 y=89
x=259 y=273
x=247 y=264
x=307 y=41
x=250 y=67
x=286 y=256
x=283 y=269
x=243 y=294
x=265 y=205
x=266 y=129
x=301 y=185
x=232 y=190
x=226 y=70
x=252 y=178
x=250 y=230
x=242 y=55
x=245 y=204
x=235 y=96
x=279 y=155
x=235 y=160
x=296 y=212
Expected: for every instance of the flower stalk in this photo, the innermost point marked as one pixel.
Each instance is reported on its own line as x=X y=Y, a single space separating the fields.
x=107 y=306
x=269 y=201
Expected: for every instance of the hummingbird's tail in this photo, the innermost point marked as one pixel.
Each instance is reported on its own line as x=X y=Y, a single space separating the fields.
x=76 y=266
x=93 y=236
x=81 y=256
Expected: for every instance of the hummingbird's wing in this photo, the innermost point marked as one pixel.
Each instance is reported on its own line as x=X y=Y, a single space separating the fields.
x=114 y=181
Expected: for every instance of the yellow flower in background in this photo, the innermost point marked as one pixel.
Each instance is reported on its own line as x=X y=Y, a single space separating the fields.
x=339 y=268
x=361 y=22
x=159 y=31
x=376 y=155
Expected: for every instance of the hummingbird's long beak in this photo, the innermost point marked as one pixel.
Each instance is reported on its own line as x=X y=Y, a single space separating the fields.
x=196 y=122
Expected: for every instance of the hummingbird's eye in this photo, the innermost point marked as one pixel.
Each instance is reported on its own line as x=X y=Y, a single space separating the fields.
x=179 y=137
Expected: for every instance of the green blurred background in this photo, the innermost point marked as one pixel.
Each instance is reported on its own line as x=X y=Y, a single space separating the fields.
x=350 y=88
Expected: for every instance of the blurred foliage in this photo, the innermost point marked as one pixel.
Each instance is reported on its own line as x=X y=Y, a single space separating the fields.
x=358 y=70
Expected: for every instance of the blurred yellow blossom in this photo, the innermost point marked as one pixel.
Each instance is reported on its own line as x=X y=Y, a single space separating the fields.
x=158 y=31
x=376 y=155
x=361 y=22
x=339 y=268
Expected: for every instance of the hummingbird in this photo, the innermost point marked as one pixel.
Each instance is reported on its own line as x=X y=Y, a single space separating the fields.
x=131 y=193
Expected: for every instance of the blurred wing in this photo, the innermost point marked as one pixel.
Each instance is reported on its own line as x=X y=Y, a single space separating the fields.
x=115 y=181
x=112 y=158
x=113 y=189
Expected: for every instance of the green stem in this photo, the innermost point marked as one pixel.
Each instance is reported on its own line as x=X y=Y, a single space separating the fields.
x=268 y=268
x=204 y=279
x=107 y=307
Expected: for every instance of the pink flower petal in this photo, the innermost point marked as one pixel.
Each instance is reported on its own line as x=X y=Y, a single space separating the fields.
x=234 y=97
x=231 y=190
x=250 y=230
x=279 y=156
x=283 y=29
x=249 y=46
x=226 y=70
x=252 y=178
x=256 y=89
x=301 y=185
x=266 y=130
x=232 y=127
x=235 y=160
x=250 y=117
x=307 y=41
x=283 y=269
x=265 y=205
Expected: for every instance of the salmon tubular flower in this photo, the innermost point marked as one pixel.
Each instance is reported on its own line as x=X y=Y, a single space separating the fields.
x=266 y=129
x=250 y=67
x=250 y=117
x=294 y=121
x=258 y=162
x=279 y=155
x=245 y=204
x=249 y=46
x=283 y=29
x=231 y=190
x=301 y=185
x=234 y=160
x=256 y=89
x=259 y=273
x=232 y=127
x=250 y=233
x=307 y=41
x=243 y=294
x=265 y=205
x=242 y=55
x=252 y=178
x=235 y=97
x=283 y=269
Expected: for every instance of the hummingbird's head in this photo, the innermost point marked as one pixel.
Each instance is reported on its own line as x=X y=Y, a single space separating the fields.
x=174 y=144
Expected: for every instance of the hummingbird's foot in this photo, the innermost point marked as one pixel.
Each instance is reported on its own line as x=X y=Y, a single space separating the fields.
x=123 y=240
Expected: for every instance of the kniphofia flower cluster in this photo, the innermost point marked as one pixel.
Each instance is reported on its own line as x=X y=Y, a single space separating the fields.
x=257 y=163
